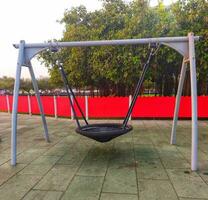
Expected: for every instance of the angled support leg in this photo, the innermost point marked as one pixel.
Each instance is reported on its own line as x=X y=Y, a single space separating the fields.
x=177 y=104
x=35 y=85
x=15 y=104
x=194 y=146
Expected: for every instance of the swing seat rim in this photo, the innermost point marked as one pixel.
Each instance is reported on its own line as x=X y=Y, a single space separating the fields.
x=103 y=132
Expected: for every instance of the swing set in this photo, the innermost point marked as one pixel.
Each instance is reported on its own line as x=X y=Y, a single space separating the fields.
x=108 y=131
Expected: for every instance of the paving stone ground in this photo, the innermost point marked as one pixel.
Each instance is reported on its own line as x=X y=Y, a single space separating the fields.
x=141 y=165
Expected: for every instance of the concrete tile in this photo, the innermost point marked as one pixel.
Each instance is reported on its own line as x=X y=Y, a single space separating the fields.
x=174 y=163
x=119 y=158
x=29 y=155
x=152 y=173
x=4 y=157
x=70 y=139
x=188 y=184
x=169 y=151
x=46 y=160
x=204 y=175
x=172 y=158
x=120 y=180
x=144 y=150
x=84 y=188
x=7 y=171
x=111 y=196
x=203 y=165
x=159 y=139
x=43 y=195
x=185 y=151
x=73 y=157
x=36 y=169
x=142 y=139
x=156 y=189
x=149 y=163
x=191 y=199
x=57 y=178
x=95 y=163
x=39 y=142
x=56 y=151
x=126 y=138
x=18 y=186
x=122 y=154
x=203 y=147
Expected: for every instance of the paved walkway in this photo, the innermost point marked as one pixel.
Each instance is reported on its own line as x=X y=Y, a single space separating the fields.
x=137 y=166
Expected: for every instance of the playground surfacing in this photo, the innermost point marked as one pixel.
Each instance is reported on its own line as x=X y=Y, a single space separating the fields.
x=141 y=165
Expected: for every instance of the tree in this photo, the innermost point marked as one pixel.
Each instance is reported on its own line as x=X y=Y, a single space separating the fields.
x=191 y=16
x=25 y=85
x=44 y=83
x=114 y=70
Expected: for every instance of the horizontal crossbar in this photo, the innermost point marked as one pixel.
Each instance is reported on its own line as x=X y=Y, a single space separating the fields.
x=107 y=42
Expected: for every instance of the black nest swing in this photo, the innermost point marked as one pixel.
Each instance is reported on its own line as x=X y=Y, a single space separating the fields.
x=106 y=131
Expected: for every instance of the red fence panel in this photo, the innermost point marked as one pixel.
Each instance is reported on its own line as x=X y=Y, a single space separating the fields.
x=34 y=105
x=11 y=102
x=3 y=103
x=63 y=106
x=108 y=107
x=203 y=106
x=22 y=104
x=154 y=107
x=81 y=101
x=185 y=107
x=48 y=105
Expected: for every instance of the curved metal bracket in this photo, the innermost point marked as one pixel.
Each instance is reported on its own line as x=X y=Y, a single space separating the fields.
x=30 y=53
x=180 y=47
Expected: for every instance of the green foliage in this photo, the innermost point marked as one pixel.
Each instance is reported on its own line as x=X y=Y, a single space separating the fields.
x=7 y=83
x=192 y=16
x=114 y=70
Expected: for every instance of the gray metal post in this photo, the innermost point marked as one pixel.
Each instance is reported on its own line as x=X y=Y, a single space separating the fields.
x=35 y=85
x=55 y=106
x=29 y=105
x=15 y=104
x=194 y=149
x=177 y=103
x=8 y=104
x=72 y=113
x=130 y=100
x=86 y=108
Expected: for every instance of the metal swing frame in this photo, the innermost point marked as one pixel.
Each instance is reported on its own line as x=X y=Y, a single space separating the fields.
x=183 y=45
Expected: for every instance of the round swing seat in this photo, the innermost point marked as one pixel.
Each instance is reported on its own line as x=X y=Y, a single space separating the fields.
x=103 y=132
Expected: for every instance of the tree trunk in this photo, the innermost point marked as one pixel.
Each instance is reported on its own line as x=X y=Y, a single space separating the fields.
x=168 y=85
x=187 y=85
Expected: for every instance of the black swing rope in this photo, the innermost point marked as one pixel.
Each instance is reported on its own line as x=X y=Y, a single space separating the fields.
x=105 y=132
x=138 y=86
x=68 y=88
